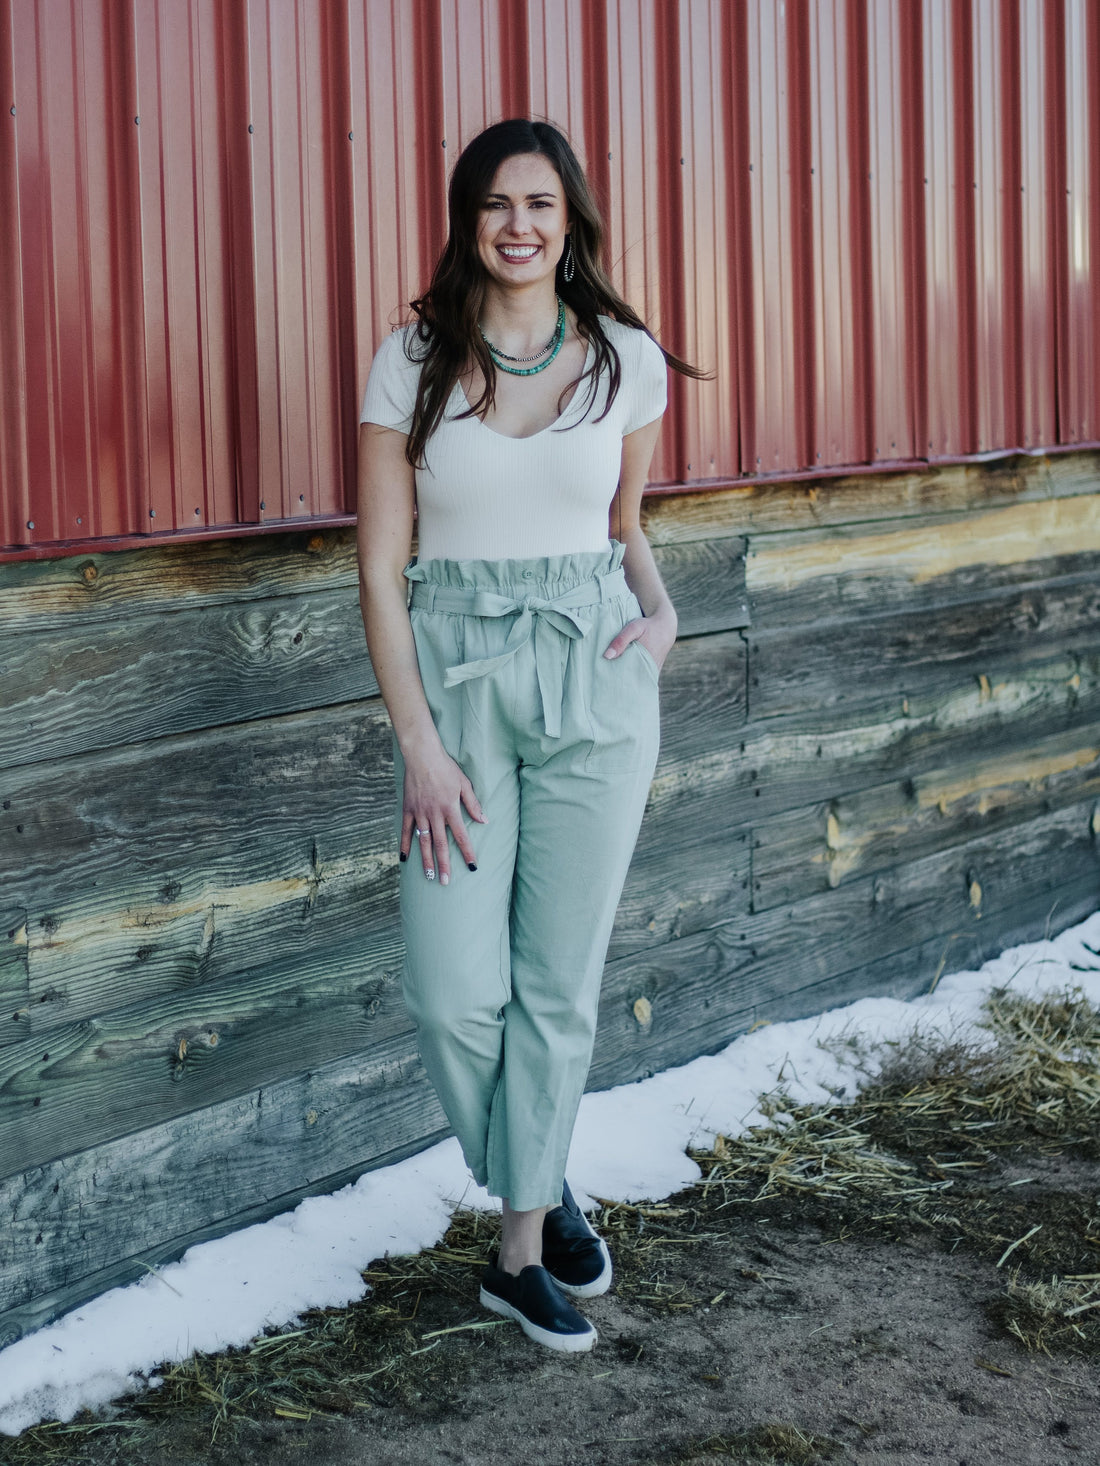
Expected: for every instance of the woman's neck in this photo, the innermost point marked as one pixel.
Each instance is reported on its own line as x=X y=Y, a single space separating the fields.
x=520 y=320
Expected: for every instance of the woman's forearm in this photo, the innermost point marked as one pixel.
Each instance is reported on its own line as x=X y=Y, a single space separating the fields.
x=393 y=656
x=385 y=527
x=644 y=578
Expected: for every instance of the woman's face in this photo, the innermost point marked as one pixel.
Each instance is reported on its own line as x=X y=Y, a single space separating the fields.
x=523 y=221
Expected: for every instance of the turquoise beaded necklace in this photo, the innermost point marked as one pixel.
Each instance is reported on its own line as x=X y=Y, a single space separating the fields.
x=553 y=346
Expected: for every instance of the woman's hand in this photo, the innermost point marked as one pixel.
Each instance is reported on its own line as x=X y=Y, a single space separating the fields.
x=435 y=791
x=656 y=633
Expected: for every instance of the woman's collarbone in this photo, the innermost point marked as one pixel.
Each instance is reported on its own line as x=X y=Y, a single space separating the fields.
x=525 y=406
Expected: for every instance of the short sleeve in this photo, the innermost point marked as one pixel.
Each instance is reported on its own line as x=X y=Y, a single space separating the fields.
x=391 y=386
x=649 y=388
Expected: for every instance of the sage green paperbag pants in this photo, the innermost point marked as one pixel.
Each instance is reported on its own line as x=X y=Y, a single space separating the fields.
x=503 y=965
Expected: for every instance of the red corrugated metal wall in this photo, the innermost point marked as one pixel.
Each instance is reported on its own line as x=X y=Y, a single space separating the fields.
x=877 y=220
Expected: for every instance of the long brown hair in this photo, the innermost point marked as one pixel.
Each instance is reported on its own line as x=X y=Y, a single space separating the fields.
x=447 y=335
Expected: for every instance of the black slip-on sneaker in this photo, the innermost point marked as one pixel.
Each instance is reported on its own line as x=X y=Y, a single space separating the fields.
x=542 y=1312
x=574 y=1255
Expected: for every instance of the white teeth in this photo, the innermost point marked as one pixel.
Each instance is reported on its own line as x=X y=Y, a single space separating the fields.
x=518 y=252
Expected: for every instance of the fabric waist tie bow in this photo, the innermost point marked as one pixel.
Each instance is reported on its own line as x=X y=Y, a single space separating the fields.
x=545 y=619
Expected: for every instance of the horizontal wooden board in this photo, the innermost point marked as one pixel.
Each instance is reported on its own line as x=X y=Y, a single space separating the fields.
x=88 y=1082
x=101 y=1218
x=706 y=582
x=669 y=889
x=839 y=573
x=193 y=857
x=826 y=665
x=701 y=987
x=769 y=506
x=804 y=758
x=105 y=587
x=140 y=678
x=820 y=846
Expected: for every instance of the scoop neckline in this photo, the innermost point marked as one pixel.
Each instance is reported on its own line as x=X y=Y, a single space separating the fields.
x=529 y=437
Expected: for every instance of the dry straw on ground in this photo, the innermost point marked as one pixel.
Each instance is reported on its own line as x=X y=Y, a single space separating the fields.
x=922 y=1149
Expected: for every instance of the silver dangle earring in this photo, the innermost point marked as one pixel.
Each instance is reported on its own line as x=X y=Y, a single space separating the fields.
x=570 y=264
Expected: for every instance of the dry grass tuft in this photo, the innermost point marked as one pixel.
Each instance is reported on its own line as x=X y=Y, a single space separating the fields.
x=763 y=1445
x=1039 y=1078
x=922 y=1149
x=1058 y=1316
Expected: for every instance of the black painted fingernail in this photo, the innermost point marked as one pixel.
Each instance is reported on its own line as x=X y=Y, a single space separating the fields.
x=471 y=865
x=403 y=856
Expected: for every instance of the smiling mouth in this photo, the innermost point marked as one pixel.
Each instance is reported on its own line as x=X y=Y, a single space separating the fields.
x=518 y=251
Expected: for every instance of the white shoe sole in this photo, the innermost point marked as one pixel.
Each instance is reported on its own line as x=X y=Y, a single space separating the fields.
x=565 y=1343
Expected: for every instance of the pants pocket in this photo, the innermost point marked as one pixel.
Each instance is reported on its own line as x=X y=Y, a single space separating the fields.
x=623 y=704
x=648 y=658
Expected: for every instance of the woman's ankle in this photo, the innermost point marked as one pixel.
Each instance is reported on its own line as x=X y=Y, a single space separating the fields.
x=514 y=1263
x=521 y=1240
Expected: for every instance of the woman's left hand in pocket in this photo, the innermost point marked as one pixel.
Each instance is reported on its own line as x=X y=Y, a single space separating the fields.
x=656 y=633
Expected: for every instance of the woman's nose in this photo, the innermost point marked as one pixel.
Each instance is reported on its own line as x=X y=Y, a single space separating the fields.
x=519 y=221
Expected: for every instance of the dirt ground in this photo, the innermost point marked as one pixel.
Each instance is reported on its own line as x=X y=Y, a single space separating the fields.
x=875 y=1351
x=864 y=1322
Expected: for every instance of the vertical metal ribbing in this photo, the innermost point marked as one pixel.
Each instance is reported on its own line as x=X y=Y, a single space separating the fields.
x=15 y=502
x=965 y=184
x=861 y=408
x=913 y=429
x=1054 y=86
x=799 y=100
x=742 y=456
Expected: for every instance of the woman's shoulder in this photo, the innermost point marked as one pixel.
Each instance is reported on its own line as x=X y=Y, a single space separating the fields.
x=644 y=373
x=390 y=395
x=634 y=345
x=402 y=348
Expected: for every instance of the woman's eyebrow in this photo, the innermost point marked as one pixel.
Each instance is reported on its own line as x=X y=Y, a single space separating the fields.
x=544 y=193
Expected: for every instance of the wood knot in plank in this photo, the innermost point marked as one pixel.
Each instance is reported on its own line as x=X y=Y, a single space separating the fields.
x=643 y=1012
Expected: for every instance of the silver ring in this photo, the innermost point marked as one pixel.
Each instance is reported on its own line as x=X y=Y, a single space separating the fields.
x=421 y=833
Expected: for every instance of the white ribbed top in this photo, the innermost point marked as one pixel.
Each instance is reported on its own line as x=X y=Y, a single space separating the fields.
x=484 y=496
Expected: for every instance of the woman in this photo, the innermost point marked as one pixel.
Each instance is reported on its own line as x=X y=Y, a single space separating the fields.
x=518 y=659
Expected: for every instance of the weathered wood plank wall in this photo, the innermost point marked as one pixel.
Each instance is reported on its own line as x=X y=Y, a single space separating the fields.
x=881 y=756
